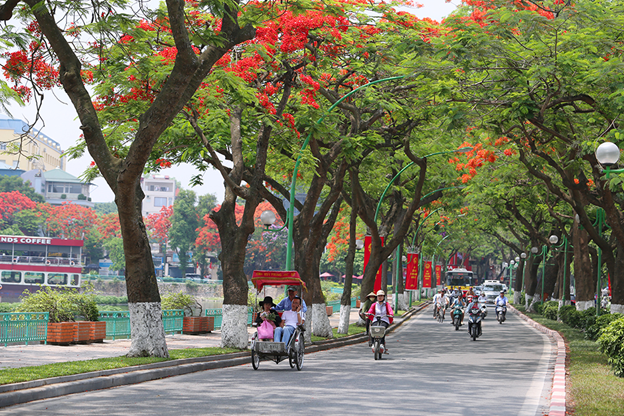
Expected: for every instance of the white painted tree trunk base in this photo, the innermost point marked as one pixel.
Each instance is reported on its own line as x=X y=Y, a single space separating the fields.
x=402 y=299
x=147 y=330
x=345 y=314
x=307 y=335
x=615 y=308
x=234 y=327
x=562 y=303
x=582 y=305
x=320 y=321
x=516 y=298
x=536 y=298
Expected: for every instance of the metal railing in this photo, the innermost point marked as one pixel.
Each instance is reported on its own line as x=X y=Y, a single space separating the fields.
x=118 y=322
x=24 y=327
x=217 y=313
x=41 y=261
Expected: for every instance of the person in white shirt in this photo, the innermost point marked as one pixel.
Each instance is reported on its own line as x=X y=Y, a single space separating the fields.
x=290 y=320
x=440 y=300
x=482 y=298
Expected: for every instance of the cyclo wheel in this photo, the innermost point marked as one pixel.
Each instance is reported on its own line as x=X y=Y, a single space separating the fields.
x=300 y=353
x=255 y=357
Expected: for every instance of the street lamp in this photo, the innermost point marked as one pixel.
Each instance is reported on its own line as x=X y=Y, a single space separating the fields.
x=523 y=256
x=608 y=155
x=554 y=240
x=511 y=265
x=268 y=218
x=359 y=244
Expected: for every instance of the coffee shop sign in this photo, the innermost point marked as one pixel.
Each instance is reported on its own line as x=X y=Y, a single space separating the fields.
x=25 y=240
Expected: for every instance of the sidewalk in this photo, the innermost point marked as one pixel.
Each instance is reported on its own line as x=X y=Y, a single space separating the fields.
x=30 y=355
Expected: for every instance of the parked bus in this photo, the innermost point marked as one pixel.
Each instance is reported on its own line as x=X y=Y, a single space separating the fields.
x=27 y=262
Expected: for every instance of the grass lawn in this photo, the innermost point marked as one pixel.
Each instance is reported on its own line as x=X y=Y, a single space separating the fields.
x=353 y=329
x=16 y=375
x=595 y=390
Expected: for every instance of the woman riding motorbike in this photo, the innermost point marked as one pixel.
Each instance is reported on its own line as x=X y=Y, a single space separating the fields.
x=382 y=310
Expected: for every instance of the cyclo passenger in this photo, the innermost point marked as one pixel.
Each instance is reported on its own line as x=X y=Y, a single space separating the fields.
x=440 y=301
x=381 y=309
x=458 y=302
x=290 y=320
x=267 y=320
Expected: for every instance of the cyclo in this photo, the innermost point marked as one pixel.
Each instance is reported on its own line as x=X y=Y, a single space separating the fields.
x=294 y=349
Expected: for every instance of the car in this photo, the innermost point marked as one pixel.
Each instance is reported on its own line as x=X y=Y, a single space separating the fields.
x=492 y=290
x=194 y=277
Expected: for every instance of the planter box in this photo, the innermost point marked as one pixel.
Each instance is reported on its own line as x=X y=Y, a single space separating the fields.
x=81 y=331
x=329 y=310
x=61 y=333
x=357 y=303
x=207 y=324
x=191 y=325
x=97 y=331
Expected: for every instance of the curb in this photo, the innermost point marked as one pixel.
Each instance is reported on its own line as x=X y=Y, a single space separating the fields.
x=18 y=393
x=558 y=390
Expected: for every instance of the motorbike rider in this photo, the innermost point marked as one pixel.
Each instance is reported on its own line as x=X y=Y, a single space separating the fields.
x=382 y=309
x=440 y=300
x=501 y=301
x=473 y=306
x=458 y=302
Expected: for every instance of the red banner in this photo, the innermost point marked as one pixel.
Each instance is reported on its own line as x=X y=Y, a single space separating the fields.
x=427 y=274
x=411 y=278
x=367 y=253
x=438 y=270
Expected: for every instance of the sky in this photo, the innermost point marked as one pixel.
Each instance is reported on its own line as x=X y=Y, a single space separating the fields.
x=61 y=123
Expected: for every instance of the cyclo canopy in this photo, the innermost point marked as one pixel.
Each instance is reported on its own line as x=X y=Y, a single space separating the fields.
x=261 y=278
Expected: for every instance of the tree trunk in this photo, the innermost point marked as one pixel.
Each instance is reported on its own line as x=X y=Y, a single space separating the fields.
x=518 y=282
x=552 y=272
x=146 y=327
x=617 y=282
x=345 y=300
x=531 y=283
x=582 y=269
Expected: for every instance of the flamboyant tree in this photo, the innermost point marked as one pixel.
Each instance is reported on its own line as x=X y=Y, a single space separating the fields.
x=78 y=42
x=158 y=225
x=69 y=220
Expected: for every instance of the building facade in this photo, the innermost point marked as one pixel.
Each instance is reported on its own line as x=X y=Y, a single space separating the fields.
x=160 y=191
x=18 y=144
x=58 y=186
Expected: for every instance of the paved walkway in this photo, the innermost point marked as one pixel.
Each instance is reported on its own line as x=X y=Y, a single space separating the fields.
x=29 y=355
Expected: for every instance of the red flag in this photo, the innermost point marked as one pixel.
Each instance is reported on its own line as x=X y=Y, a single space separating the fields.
x=367 y=253
x=411 y=279
x=427 y=274
x=438 y=270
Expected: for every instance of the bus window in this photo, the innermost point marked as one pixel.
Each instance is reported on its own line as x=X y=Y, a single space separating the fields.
x=75 y=280
x=11 y=277
x=57 y=279
x=34 y=278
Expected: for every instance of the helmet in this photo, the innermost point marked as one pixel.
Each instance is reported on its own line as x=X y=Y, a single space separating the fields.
x=502 y=291
x=381 y=293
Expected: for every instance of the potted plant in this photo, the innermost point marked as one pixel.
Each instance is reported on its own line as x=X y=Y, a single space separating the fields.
x=192 y=323
x=61 y=326
x=89 y=329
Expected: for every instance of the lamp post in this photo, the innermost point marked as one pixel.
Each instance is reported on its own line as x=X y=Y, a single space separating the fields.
x=554 y=240
x=523 y=256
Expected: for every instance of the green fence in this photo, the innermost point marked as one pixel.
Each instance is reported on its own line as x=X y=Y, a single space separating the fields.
x=118 y=323
x=336 y=290
x=23 y=327
x=218 y=316
x=173 y=321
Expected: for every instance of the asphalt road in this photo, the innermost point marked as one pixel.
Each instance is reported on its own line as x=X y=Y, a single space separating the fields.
x=431 y=370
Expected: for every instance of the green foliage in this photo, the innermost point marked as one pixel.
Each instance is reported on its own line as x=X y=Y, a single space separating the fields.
x=16 y=183
x=63 y=305
x=8 y=307
x=110 y=300
x=570 y=316
x=611 y=343
x=114 y=246
x=184 y=225
x=550 y=310
x=102 y=208
x=181 y=301
x=595 y=330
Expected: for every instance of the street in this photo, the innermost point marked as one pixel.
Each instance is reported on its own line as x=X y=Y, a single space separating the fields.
x=431 y=369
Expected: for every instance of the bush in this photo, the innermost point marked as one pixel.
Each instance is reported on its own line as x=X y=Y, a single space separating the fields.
x=181 y=301
x=537 y=306
x=8 y=307
x=62 y=305
x=565 y=311
x=588 y=318
x=594 y=331
x=550 y=310
x=611 y=343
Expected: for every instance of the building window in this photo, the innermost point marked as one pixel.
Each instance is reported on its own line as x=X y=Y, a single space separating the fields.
x=151 y=187
x=160 y=202
x=2 y=146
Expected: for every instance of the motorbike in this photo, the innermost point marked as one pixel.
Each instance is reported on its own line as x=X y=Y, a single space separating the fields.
x=483 y=307
x=501 y=311
x=474 y=323
x=377 y=332
x=457 y=315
